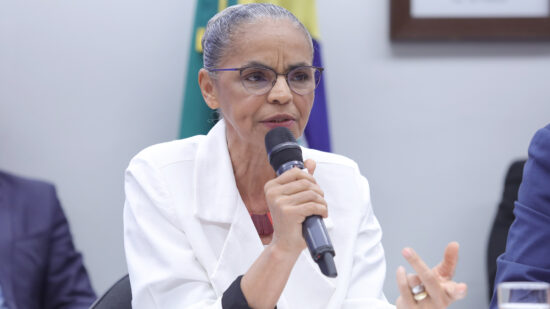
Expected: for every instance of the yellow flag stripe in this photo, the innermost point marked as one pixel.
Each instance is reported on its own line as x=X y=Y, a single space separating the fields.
x=222 y=4
x=304 y=10
x=198 y=39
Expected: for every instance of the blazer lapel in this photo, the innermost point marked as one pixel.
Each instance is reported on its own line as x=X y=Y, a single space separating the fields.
x=217 y=200
x=307 y=287
x=216 y=191
x=240 y=249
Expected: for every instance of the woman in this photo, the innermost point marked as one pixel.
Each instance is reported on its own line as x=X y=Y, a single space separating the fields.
x=190 y=204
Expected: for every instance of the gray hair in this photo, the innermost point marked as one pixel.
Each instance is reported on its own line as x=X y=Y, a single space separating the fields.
x=218 y=32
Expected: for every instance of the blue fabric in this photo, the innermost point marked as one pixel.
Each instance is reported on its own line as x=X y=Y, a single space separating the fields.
x=39 y=266
x=2 y=304
x=317 y=129
x=527 y=255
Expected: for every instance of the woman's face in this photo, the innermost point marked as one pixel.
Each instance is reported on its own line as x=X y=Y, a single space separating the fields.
x=277 y=44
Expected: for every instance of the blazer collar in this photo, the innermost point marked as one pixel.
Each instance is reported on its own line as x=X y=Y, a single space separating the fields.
x=214 y=172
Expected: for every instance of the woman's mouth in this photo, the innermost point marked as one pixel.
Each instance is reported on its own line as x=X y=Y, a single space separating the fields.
x=279 y=121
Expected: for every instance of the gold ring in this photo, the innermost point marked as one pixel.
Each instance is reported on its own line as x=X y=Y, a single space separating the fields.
x=420 y=296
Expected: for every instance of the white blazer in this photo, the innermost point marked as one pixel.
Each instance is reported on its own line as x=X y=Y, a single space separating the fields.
x=188 y=234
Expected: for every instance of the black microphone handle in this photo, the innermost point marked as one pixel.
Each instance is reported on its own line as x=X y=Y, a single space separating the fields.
x=319 y=245
x=315 y=234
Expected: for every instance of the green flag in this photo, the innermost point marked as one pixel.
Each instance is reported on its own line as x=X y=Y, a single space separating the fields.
x=197 y=117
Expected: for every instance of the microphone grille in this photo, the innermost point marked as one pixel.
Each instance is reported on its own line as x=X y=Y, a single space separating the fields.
x=282 y=147
x=278 y=136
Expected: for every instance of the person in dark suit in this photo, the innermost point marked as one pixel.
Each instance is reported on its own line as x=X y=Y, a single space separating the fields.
x=503 y=220
x=39 y=266
x=527 y=246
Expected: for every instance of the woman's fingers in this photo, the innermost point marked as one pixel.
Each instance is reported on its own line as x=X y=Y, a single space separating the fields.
x=310 y=209
x=296 y=193
x=299 y=186
x=446 y=268
x=294 y=174
x=305 y=197
x=437 y=282
x=456 y=291
x=413 y=280
x=310 y=165
x=441 y=290
x=426 y=275
x=404 y=288
x=292 y=181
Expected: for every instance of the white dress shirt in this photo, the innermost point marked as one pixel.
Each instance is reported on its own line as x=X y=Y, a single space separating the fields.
x=188 y=234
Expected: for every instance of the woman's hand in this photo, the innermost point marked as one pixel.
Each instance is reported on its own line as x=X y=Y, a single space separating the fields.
x=292 y=197
x=441 y=290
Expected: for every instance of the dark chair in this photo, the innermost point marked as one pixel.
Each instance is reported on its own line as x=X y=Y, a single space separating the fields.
x=119 y=296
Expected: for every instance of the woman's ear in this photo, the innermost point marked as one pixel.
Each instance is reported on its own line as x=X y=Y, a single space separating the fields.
x=206 y=82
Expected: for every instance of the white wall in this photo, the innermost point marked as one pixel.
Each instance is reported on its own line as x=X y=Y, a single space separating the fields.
x=85 y=85
x=434 y=127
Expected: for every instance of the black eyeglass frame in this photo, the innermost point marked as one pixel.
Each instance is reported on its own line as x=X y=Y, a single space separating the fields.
x=241 y=69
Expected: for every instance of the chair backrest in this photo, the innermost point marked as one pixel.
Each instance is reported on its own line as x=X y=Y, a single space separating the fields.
x=119 y=296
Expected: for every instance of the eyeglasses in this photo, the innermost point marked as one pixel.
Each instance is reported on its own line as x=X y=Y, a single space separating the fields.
x=260 y=80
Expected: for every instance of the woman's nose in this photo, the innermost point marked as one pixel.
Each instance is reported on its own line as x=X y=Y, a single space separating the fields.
x=280 y=93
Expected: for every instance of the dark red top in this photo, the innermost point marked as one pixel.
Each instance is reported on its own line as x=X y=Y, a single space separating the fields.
x=263 y=224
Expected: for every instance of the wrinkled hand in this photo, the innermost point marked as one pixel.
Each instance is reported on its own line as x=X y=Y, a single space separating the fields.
x=291 y=197
x=442 y=291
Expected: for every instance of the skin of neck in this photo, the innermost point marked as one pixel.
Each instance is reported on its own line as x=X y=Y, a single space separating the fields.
x=252 y=170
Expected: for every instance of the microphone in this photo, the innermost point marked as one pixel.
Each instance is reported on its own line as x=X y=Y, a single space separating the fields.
x=284 y=153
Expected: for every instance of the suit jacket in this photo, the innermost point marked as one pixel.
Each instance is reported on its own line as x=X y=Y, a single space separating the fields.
x=188 y=234
x=528 y=245
x=39 y=267
x=503 y=220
